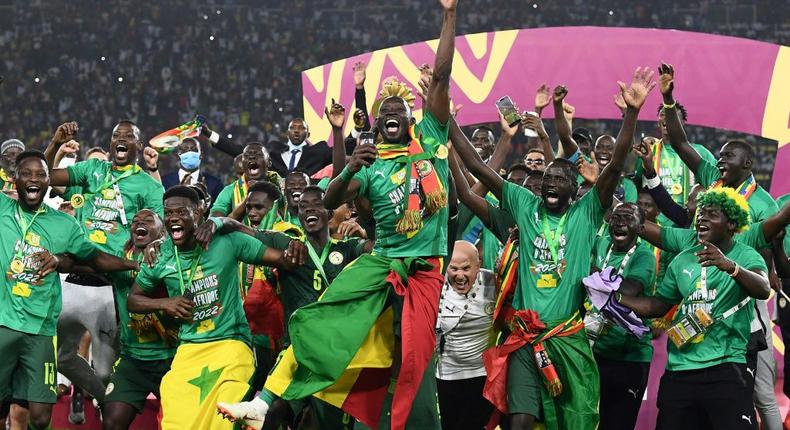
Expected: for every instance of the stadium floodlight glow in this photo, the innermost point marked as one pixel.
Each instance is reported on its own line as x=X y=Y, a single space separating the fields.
x=219 y=12
x=36 y=79
x=534 y=5
x=230 y=136
x=205 y=17
x=120 y=78
x=211 y=37
x=103 y=58
x=611 y=12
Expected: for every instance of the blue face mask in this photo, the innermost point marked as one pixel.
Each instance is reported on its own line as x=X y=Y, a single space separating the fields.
x=190 y=160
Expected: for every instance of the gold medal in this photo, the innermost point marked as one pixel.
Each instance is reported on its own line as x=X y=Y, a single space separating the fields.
x=676 y=189
x=108 y=194
x=17 y=266
x=77 y=201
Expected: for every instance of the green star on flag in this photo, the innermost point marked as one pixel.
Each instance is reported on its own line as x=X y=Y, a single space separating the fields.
x=206 y=381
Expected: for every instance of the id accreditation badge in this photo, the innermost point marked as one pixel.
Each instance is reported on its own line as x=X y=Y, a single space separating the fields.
x=691 y=328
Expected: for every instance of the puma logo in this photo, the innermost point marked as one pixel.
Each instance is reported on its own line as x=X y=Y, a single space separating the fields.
x=170 y=267
x=747 y=419
x=379 y=173
x=633 y=392
x=751 y=371
x=688 y=272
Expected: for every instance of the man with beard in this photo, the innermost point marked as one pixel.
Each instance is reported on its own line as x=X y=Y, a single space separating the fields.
x=464 y=328
x=548 y=292
x=394 y=292
x=295 y=184
x=483 y=141
x=8 y=152
x=230 y=203
x=104 y=195
x=623 y=359
x=213 y=361
x=706 y=383
x=30 y=293
x=299 y=287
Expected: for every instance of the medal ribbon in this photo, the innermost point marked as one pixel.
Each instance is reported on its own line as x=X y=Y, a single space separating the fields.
x=623 y=263
x=195 y=261
x=24 y=226
x=110 y=181
x=319 y=262
x=729 y=312
x=553 y=238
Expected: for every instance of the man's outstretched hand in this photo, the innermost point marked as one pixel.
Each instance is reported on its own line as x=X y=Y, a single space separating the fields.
x=642 y=83
x=666 y=78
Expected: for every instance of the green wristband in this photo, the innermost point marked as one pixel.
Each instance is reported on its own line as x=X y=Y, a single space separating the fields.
x=345 y=175
x=217 y=221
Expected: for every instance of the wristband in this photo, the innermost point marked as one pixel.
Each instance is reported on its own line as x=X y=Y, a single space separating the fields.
x=651 y=183
x=214 y=137
x=217 y=221
x=153 y=169
x=672 y=106
x=736 y=271
x=345 y=174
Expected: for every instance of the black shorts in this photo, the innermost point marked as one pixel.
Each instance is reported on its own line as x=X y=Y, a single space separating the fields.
x=717 y=397
x=623 y=384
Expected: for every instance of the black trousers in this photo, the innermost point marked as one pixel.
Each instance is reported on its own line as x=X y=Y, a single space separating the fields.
x=462 y=405
x=623 y=385
x=717 y=397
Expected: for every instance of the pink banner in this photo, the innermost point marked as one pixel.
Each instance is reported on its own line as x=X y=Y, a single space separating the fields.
x=725 y=82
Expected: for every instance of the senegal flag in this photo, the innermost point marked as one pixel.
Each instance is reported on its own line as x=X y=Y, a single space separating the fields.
x=343 y=345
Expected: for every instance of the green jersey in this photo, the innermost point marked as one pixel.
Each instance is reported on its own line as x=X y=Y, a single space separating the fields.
x=553 y=260
x=6 y=182
x=112 y=197
x=139 y=339
x=675 y=176
x=725 y=341
x=761 y=204
x=235 y=193
x=30 y=304
x=384 y=185
x=614 y=342
x=501 y=222
x=676 y=240
x=305 y=284
x=214 y=288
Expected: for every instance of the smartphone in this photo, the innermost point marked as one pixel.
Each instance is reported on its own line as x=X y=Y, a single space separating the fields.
x=367 y=138
x=508 y=110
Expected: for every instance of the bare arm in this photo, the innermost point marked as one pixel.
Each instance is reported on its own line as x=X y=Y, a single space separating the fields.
x=568 y=145
x=439 y=91
x=472 y=160
x=651 y=232
x=178 y=307
x=676 y=134
x=776 y=223
x=781 y=262
x=103 y=263
x=634 y=96
x=631 y=287
x=337 y=117
x=646 y=307
x=502 y=149
x=474 y=202
x=754 y=282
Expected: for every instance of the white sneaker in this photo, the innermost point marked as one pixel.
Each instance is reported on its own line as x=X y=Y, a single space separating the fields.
x=250 y=414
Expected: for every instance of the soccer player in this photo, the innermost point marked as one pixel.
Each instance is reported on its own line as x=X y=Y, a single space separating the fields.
x=30 y=293
x=411 y=240
x=304 y=285
x=214 y=361
x=295 y=184
x=623 y=359
x=548 y=293
x=705 y=384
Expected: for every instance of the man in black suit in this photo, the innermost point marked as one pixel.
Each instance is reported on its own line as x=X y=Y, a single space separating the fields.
x=298 y=153
x=190 y=156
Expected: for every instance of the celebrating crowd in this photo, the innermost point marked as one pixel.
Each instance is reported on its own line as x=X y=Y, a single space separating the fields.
x=403 y=276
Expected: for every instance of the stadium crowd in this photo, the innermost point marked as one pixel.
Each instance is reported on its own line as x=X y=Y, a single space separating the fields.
x=360 y=283
x=171 y=69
